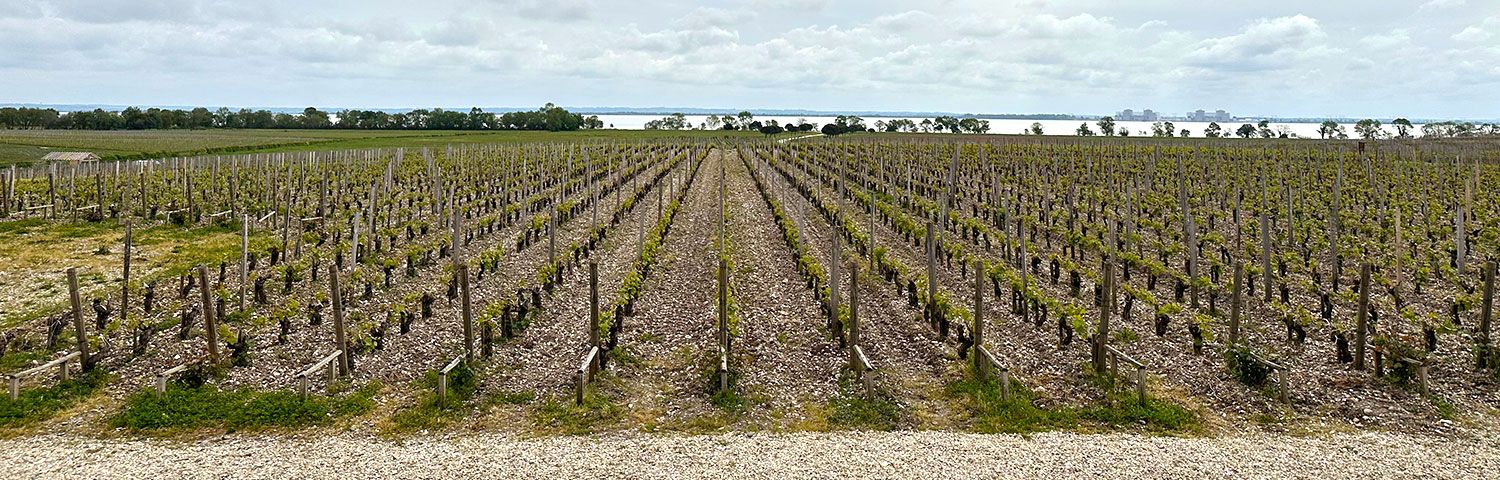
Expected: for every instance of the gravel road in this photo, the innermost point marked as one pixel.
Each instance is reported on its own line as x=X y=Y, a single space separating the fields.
x=826 y=455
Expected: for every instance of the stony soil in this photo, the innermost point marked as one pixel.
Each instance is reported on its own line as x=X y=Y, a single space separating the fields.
x=833 y=455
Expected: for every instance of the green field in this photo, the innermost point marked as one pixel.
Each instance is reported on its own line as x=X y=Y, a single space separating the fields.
x=28 y=146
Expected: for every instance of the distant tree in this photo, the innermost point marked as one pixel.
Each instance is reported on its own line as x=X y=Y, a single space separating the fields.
x=1107 y=126
x=1368 y=128
x=981 y=126
x=1264 y=129
x=1157 y=130
x=1124 y=132
x=1184 y=133
x=1084 y=130
x=1328 y=129
x=1403 y=127
x=1245 y=131
x=312 y=118
x=744 y=118
x=771 y=129
x=1036 y=128
x=1213 y=130
x=946 y=122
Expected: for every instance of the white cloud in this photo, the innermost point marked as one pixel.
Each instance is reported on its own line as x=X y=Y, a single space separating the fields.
x=958 y=55
x=1263 y=44
x=1480 y=33
x=1442 y=4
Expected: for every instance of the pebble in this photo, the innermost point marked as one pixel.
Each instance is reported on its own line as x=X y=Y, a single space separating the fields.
x=927 y=454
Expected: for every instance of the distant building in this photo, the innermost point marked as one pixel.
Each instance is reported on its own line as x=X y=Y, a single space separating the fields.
x=73 y=158
x=1203 y=116
x=1146 y=115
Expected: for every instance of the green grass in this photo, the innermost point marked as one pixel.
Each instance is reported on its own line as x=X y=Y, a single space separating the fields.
x=428 y=413
x=189 y=408
x=554 y=417
x=28 y=146
x=852 y=410
x=18 y=359
x=992 y=414
x=33 y=249
x=36 y=405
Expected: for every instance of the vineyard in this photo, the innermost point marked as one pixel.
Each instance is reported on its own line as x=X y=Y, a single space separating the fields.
x=871 y=282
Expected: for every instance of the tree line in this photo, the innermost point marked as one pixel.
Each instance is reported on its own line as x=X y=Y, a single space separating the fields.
x=1367 y=129
x=549 y=117
x=841 y=124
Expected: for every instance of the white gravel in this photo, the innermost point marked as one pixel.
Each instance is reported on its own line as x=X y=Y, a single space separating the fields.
x=828 y=455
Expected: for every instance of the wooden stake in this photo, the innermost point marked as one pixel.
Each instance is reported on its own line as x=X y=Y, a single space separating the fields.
x=468 y=310
x=594 y=304
x=1486 y=312
x=1234 y=309
x=125 y=280
x=854 y=318
x=338 y=318
x=245 y=262
x=78 y=328
x=1363 y=319
x=980 y=365
x=210 y=324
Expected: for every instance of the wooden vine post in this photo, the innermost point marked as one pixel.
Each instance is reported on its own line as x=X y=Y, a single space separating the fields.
x=931 y=270
x=462 y=274
x=980 y=363
x=1265 y=250
x=854 y=318
x=125 y=279
x=1361 y=328
x=871 y=190
x=337 y=297
x=723 y=325
x=78 y=328
x=1486 y=313
x=210 y=324
x=594 y=304
x=1236 y=300
x=245 y=261
x=834 y=295
x=1101 y=337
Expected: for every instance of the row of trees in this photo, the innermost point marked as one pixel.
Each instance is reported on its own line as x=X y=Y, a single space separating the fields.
x=742 y=121
x=550 y=117
x=840 y=125
x=1366 y=128
x=936 y=124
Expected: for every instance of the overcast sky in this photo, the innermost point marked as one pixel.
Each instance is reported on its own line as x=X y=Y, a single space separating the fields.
x=1417 y=58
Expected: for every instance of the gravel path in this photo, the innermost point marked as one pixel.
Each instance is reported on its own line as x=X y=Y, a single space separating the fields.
x=785 y=350
x=822 y=455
